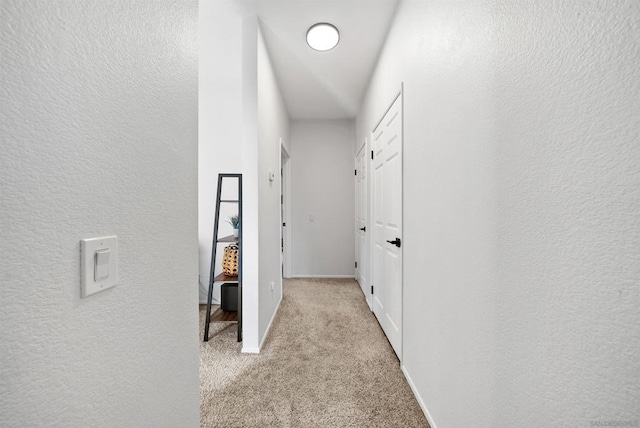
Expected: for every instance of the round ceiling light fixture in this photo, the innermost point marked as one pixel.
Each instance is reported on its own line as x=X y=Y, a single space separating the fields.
x=323 y=36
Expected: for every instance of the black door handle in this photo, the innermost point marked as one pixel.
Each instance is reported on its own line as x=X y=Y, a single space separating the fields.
x=364 y=229
x=395 y=242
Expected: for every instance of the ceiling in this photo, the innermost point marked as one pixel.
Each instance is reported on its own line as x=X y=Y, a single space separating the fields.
x=324 y=85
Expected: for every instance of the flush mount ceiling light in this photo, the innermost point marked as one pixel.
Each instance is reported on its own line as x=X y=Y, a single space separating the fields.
x=323 y=36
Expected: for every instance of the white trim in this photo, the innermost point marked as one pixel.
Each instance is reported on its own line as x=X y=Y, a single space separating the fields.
x=356 y=236
x=252 y=350
x=402 y=323
x=369 y=238
x=284 y=148
x=286 y=172
x=323 y=276
x=362 y=146
x=423 y=406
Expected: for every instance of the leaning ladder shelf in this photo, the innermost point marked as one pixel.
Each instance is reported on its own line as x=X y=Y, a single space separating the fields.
x=219 y=315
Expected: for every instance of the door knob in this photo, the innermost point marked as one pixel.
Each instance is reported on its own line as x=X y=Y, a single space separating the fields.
x=364 y=229
x=395 y=242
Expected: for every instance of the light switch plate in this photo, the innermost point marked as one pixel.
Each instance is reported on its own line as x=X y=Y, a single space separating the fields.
x=88 y=260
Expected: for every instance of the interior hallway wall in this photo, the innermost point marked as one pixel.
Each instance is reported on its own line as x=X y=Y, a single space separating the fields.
x=521 y=207
x=99 y=137
x=273 y=127
x=322 y=198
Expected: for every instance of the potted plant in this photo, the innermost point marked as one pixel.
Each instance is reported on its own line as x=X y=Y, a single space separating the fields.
x=234 y=221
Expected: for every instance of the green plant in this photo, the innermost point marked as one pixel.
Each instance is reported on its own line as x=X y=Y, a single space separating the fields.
x=234 y=221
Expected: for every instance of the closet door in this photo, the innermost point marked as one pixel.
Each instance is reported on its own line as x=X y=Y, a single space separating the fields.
x=387 y=224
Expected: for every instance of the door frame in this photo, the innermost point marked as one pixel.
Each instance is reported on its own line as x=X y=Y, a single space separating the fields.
x=285 y=234
x=366 y=287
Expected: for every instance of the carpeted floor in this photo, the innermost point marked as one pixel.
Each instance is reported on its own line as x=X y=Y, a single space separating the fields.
x=326 y=363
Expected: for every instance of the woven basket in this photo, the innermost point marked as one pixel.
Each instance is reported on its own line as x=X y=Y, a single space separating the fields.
x=230 y=260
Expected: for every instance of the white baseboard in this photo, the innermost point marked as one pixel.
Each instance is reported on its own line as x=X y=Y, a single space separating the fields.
x=322 y=276
x=252 y=350
x=423 y=406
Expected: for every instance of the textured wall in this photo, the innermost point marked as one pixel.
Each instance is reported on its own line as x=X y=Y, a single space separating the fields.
x=568 y=187
x=522 y=199
x=322 y=186
x=99 y=136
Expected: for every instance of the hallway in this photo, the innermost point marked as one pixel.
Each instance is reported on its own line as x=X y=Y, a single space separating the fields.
x=520 y=201
x=326 y=363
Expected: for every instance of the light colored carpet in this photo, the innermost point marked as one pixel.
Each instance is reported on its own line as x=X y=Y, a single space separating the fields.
x=326 y=363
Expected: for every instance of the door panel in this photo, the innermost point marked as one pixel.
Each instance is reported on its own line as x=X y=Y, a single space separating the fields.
x=378 y=261
x=387 y=221
x=378 y=234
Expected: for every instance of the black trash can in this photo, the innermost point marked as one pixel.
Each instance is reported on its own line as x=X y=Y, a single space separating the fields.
x=229 y=297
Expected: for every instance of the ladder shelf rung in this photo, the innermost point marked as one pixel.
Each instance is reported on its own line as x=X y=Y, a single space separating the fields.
x=224 y=278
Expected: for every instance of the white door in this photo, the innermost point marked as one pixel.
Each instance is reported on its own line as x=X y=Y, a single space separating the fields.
x=362 y=255
x=387 y=224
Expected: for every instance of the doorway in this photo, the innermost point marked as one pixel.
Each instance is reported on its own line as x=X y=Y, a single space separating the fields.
x=285 y=211
x=361 y=221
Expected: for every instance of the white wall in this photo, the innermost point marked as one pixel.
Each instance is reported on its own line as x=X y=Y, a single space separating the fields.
x=251 y=208
x=99 y=137
x=251 y=203
x=522 y=198
x=220 y=136
x=273 y=127
x=322 y=186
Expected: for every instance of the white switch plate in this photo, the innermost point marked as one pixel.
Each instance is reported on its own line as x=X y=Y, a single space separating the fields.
x=88 y=249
